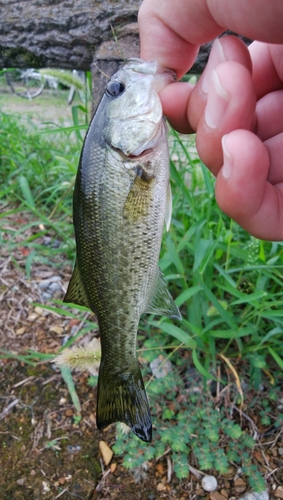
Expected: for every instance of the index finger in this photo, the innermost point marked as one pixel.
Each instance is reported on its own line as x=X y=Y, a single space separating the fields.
x=171 y=32
x=165 y=32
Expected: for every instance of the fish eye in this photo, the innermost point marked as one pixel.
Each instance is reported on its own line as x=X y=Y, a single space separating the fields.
x=115 y=88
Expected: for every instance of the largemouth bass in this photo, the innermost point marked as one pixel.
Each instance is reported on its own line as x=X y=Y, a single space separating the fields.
x=122 y=198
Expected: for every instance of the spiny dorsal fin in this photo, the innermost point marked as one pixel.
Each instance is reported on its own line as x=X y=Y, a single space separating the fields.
x=75 y=292
x=161 y=302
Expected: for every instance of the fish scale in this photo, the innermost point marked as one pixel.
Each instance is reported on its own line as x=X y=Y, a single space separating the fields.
x=120 y=203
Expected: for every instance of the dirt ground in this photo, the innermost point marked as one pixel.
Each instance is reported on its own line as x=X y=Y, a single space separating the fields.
x=47 y=451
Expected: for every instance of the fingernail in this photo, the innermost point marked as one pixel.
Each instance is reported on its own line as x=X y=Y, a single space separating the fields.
x=227 y=159
x=217 y=102
x=216 y=57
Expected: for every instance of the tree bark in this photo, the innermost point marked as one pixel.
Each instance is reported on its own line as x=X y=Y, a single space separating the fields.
x=74 y=34
x=59 y=33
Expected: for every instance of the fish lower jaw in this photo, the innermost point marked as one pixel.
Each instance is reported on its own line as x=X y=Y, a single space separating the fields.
x=135 y=155
x=145 y=152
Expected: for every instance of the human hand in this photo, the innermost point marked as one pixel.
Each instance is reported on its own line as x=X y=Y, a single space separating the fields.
x=236 y=107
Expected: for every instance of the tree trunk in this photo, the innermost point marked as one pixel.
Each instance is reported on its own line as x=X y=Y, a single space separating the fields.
x=74 y=34
x=59 y=33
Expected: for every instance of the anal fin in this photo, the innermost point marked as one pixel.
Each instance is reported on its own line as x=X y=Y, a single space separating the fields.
x=75 y=292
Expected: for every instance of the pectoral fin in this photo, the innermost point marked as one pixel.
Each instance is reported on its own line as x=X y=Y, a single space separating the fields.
x=161 y=302
x=169 y=203
x=139 y=197
x=75 y=292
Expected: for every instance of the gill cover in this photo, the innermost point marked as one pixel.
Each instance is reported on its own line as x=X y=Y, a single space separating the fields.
x=135 y=106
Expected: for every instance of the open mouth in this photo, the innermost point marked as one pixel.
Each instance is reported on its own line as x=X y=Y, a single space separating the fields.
x=133 y=156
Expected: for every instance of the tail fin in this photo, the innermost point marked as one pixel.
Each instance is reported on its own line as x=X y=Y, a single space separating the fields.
x=122 y=398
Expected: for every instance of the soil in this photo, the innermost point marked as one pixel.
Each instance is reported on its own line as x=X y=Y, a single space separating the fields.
x=48 y=450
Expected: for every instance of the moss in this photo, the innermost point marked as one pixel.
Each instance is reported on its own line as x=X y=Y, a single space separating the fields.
x=19 y=57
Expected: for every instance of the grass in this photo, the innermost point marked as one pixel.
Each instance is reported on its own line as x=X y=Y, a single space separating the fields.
x=227 y=284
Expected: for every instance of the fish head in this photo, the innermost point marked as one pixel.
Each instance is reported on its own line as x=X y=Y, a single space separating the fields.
x=134 y=113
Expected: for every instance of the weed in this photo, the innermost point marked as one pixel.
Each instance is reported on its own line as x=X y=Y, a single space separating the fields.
x=195 y=430
x=227 y=284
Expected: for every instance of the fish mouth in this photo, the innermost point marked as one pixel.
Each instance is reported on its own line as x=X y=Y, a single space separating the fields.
x=134 y=155
x=145 y=152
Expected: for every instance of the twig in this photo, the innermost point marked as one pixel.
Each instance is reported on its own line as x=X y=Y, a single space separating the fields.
x=100 y=71
x=8 y=408
x=50 y=379
x=196 y=472
x=169 y=469
x=272 y=472
x=267 y=463
x=273 y=443
x=62 y=492
x=102 y=480
x=163 y=454
x=255 y=429
x=22 y=382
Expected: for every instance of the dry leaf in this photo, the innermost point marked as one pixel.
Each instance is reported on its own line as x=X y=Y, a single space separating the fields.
x=279 y=492
x=161 y=487
x=24 y=251
x=215 y=495
x=113 y=467
x=74 y=322
x=21 y=330
x=39 y=310
x=160 y=469
x=56 y=329
x=32 y=317
x=106 y=452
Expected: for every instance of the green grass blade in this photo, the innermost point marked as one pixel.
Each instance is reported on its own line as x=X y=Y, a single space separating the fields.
x=176 y=332
x=276 y=357
x=67 y=376
x=223 y=313
x=200 y=367
x=174 y=255
x=186 y=295
x=26 y=191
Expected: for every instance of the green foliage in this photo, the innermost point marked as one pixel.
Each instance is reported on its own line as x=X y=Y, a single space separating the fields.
x=65 y=77
x=67 y=376
x=92 y=380
x=36 y=170
x=36 y=177
x=193 y=428
x=227 y=284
